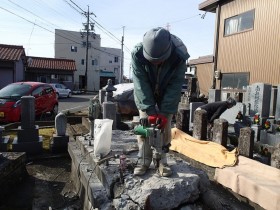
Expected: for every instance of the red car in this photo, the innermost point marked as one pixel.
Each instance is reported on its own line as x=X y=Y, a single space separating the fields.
x=10 y=109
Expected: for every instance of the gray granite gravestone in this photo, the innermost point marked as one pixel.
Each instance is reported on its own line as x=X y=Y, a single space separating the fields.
x=260 y=99
x=246 y=142
x=109 y=88
x=247 y=100
x=273 y=101
x=28 y=139
x=193 y=107
x=200 y=124
x=277 y=109
x=220 y=131
x=94 y=112
x=109 y=112
x=214 y=95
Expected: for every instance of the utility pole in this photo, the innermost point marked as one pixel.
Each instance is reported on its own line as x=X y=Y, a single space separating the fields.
x=87 y=32
x=121 y=69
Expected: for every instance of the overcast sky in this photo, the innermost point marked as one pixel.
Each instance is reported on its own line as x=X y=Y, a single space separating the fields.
x=31 y=23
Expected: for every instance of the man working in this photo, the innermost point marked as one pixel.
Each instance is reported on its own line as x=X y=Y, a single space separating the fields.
x=158 y=66
x=215 y=109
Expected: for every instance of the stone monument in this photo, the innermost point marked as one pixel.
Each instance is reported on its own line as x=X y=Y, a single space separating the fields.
x=28 y=139
x=60 y=140
x=109 y=107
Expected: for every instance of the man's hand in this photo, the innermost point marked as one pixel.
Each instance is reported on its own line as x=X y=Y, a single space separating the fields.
x=158 y=119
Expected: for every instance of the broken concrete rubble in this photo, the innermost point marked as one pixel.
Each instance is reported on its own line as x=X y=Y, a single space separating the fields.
x=184 y=186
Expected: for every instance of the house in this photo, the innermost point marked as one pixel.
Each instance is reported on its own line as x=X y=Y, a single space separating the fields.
x=246 y=46
x=50 y=70
x=12 y=61
x=95 y=64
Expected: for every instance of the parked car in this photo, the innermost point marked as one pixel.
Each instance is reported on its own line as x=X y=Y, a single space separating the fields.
x=61 y=90
x=10 y=103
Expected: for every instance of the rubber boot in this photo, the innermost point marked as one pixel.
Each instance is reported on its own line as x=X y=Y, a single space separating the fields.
x=144 y=156
x=164 y=169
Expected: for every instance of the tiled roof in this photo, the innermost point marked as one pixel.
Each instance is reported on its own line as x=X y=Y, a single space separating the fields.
x=202 y=60
x=50 y=63
x=11 y=52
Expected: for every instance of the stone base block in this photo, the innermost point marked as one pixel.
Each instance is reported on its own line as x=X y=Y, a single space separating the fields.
x=4 y=144
x=257 y=130
x=28 y=134
x=32 y=147
x=59 y=144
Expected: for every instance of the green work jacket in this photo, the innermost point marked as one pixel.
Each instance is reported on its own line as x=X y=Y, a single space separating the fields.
x=159 y=85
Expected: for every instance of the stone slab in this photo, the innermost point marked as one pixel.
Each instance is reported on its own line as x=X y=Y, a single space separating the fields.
x=85 y=181
x=59 y=144
x=108 y=172
x=34 y=147
x=28 y=134
x=230 y=114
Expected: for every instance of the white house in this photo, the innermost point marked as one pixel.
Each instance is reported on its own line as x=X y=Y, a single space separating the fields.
x=103 y=63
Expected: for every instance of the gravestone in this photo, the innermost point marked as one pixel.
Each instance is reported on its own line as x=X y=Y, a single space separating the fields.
x=224 y=96
x=277 y=109
x=60 y=124
x=220 y=131
x=183 y=119
x=214 y=95
x=94 y=112
x=260 y=99
x=109 y=107
x=109 y=88
x=272 y=139
x=257 y=131
x=200 y=124
x=273 y=101
x=246 y=142
x=1 y=131
x=193 y=107
x=247 y=100
x=59 y=142
x=102 y=95
x=275 y=157
x=109 y=112
x=28 y=139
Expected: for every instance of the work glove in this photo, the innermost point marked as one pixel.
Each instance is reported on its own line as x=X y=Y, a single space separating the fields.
x=158 y=119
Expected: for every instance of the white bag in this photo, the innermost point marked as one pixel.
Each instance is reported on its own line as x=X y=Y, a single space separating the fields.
x=102 y=136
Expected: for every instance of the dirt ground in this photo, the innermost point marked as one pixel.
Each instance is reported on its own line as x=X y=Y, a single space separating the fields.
x=47 y=185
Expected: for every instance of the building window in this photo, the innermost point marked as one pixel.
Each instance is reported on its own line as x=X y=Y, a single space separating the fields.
x=73 y=48
x=83 y=61
x=239 y=23
x=115 y=70
x=116 y=59
x=238 y=81
x=110 y=62
x=94 y=62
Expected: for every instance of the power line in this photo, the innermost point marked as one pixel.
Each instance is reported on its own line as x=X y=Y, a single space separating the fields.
x=73 y=41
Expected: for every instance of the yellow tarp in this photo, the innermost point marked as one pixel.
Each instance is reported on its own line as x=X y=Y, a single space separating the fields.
x=206 y=152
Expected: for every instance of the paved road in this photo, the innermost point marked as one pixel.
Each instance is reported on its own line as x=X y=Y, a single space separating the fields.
x=75 y=103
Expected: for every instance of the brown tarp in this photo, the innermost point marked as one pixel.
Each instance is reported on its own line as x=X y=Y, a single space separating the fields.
x=207 y=152
x=254 y=180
